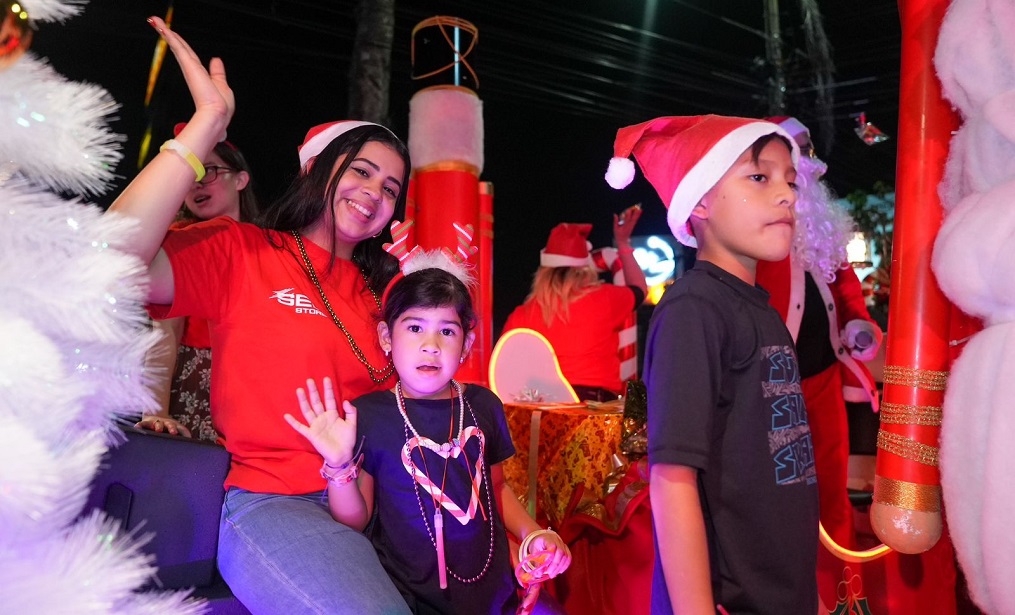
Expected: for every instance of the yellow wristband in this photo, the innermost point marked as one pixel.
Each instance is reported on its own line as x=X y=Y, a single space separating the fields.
x=187 y=155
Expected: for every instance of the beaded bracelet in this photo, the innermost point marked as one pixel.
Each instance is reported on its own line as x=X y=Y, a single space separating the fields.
x=185 y=153
x=347 y=472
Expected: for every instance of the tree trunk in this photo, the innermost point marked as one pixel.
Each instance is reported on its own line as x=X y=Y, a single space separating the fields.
x=370 y=68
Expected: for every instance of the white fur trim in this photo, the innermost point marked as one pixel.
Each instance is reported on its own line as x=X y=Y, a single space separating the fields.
x=439 y=259
x=446 y=124
x=620 y=173
x=710 y=169
x=559 y=260
x=794 y=127
x=321 y=140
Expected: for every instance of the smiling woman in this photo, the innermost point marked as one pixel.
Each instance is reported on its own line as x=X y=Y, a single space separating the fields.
x=268 y=294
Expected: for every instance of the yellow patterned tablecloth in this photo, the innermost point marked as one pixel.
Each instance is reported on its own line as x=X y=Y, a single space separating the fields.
x=575 y=446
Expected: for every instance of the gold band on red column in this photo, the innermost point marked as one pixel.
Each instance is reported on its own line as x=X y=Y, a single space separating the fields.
x=907 y=448
x=907 y=414
x=448 y=165
x=928 y=380
x=910 y=496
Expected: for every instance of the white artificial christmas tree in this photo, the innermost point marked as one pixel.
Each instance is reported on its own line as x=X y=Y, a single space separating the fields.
x=73 y=337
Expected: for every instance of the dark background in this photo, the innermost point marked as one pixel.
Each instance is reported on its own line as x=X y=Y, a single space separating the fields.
x=557 y=79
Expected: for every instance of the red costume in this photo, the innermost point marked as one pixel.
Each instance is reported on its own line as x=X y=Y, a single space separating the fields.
x=826 y=392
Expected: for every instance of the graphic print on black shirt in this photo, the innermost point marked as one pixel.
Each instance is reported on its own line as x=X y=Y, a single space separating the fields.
x=789 y=440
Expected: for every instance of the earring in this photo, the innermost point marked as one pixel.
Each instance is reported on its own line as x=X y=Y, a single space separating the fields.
x=387 y=352
x=461 y=359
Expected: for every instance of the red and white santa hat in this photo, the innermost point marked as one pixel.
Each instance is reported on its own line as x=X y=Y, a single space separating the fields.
x=321 y=135
x=568 y=246
x=684 y=157
x=800 y=133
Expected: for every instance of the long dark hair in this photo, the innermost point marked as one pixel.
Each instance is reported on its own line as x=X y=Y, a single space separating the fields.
x=313 y=191
x=429 y=288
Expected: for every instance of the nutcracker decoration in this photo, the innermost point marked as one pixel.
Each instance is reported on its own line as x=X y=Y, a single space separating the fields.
x=446 y=145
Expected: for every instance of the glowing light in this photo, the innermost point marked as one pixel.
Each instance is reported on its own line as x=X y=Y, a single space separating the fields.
x=858 y=251
x=657 y=260
x=849 y=555
x=655 y=293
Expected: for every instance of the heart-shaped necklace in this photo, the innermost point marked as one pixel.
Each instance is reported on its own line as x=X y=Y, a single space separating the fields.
x=448 y=450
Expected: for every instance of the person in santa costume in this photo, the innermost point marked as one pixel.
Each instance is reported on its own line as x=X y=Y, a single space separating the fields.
x=821 y=300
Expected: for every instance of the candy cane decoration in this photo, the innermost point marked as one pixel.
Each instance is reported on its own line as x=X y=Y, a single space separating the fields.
x=608 y=259
x=454 y=262
x=399 y=235
x=399 y=247
x=465 y=249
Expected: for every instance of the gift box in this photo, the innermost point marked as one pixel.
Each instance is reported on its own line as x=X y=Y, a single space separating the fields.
x=559 y=448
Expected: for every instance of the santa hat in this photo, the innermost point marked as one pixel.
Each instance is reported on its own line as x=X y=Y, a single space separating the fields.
x=800 y=133
x=568 y=246
x=684 y=157
x=320 y=136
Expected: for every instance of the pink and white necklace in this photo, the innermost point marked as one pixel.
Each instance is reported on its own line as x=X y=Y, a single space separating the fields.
x=448 y=450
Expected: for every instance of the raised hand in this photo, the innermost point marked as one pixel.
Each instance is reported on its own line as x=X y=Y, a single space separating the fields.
x=208 y=87
x=332 y=436
x=624 y=223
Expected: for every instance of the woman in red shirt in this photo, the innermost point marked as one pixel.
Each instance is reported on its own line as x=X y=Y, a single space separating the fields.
x=297 y=298
x=580 y=316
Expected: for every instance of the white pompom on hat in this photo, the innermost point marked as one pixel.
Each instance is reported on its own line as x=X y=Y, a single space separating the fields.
x=320 y=136
x=568 y=246
x=683 y=157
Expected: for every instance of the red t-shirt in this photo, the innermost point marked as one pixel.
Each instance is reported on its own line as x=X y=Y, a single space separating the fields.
x=586 y=345
x=270 y=332
x=195 y=330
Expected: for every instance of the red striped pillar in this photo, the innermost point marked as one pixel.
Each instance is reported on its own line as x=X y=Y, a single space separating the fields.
x=607 y=259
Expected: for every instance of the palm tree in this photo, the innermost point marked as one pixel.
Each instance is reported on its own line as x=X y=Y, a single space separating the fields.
x=370 y=68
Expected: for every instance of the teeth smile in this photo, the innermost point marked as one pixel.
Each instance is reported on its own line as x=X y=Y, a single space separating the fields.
x=363 y=210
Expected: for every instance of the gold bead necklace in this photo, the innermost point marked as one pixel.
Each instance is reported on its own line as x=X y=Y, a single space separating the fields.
x=376 y=375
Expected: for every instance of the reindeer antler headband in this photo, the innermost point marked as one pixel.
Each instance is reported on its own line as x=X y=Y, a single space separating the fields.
x=417 y=259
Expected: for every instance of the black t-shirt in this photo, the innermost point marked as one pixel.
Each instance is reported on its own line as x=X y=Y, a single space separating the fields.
x=724 y=397
x=401 y=536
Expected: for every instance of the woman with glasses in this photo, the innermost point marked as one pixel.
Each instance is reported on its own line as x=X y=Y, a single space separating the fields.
x=184 y=358
x=226 y=189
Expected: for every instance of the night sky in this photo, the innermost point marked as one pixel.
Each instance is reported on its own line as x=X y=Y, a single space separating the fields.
x=557 y=80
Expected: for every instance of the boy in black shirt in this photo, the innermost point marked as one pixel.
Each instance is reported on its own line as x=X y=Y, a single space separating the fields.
x=733 y=484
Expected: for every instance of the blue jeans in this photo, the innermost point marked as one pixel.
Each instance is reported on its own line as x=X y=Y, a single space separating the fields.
x=285 y=554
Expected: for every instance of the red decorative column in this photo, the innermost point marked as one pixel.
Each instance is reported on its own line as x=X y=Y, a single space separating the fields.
x=906 y=513
x=446 y=145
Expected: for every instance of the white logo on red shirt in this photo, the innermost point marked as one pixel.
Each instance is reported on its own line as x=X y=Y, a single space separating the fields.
x=299 y=301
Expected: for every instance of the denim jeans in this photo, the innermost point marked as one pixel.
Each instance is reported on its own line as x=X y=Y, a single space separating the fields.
x=285 y=555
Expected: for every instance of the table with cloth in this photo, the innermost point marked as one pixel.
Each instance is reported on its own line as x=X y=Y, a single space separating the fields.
x=573 y=446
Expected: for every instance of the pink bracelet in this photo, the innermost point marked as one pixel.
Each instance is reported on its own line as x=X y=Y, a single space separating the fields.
x=347 y=472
